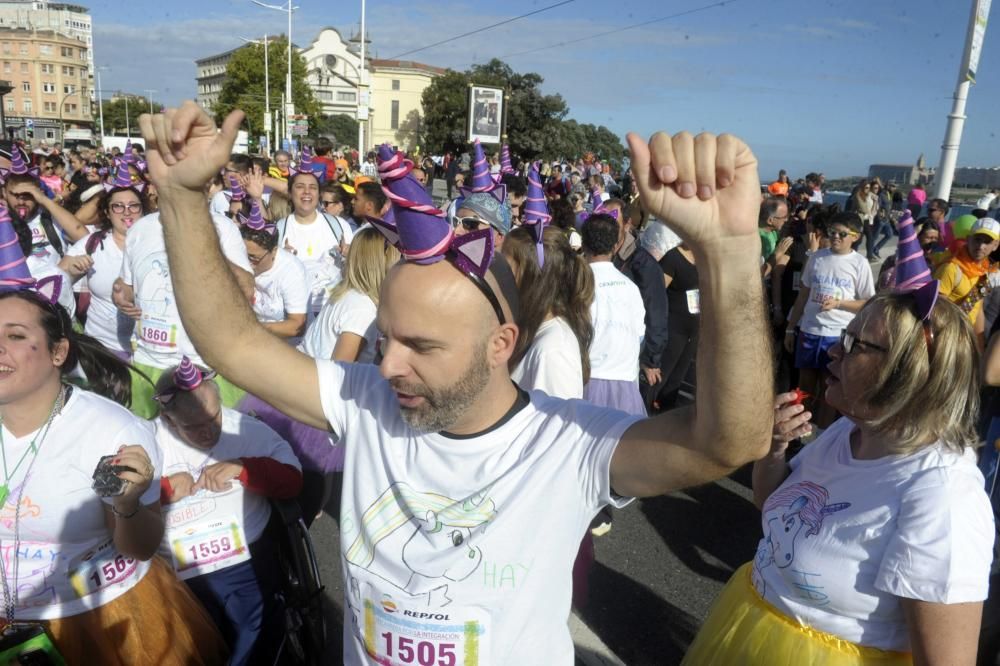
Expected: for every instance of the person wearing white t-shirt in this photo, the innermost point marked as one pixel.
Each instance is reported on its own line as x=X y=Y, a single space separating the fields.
x=878 y=536
x=835 y=285
x=455 y=480
x=281 y=286
x=80 y=564
x=319 y=240
x=118 y=210
x=48 y=222
x=618 y=315
x=219 y=469
x=344 y=331
x=552 y=354
x=145 y=292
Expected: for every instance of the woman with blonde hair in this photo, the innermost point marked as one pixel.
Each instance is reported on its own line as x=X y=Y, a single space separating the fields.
x=878 y=535
x=345 y=329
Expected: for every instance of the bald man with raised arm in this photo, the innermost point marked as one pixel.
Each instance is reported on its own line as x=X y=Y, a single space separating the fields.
x=464 y=497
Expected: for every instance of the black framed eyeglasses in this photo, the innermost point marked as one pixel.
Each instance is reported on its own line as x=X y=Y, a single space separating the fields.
x=329 y=202
x=850 y=342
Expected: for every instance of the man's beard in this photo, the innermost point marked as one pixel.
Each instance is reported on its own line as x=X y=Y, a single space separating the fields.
x=443 y=407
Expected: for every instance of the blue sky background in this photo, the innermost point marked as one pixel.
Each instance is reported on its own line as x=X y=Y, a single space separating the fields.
x=829 y=85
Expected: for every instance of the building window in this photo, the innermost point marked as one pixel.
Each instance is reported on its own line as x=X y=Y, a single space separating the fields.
x=71 y=108
x=24 y=68
x=66 y=51
x=24 y=48
x=50 y=107
x=69 y=71
x=27 y=106
x=69 y=89
x=10 y=105
x=6 y=68
x=6 y=48
x=48 y=68
x=50 y=134
x=394 y=117
x=83 y=54
x=48 y=87
x=395 y=84
x=347 y=96
x=86 y=109
x=25 y=86
x=323 y=95
x=45 y=49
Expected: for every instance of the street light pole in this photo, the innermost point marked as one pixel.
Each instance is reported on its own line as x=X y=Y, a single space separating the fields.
x=100 y=103
x=362 y=90
x=149 y=95
x=128 y=126
x=289 y=105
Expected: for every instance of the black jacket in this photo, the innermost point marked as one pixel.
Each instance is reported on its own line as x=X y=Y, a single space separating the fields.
x=646 y=273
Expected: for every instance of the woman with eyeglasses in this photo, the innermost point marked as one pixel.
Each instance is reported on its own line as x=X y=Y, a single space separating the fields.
x=97 y=263
x=281 y=286
x=878 y=535
x=834 y=286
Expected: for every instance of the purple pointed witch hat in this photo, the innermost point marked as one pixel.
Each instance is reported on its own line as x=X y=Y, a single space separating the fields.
x=255 y=220
x=123 y=176
x=14 y=273
x=127 y=153
x=237 y=193
x=187 y=377
x=505 y=165
x=305 y=161
x=481 y=180
x=19 y=165
x=913 y=275
x=536 y=211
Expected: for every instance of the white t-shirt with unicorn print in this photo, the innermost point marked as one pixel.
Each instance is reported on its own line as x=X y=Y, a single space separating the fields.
x=844 y=538
x=460 y=550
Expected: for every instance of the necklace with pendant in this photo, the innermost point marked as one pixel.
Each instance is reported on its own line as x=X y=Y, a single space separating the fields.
x=32 y=448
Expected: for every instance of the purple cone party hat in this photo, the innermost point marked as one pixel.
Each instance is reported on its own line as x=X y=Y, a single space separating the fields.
x=536 y=211
x=421 y=232
x=237 y=193
x=305 y=164
x=14 y=273
x=123 y=176
x=127 y=153
x=505 y=165
x=913 y=276
x=481 y=180
x=19 y=165
x=255 y=220
x=187 y=377
x=597 y=206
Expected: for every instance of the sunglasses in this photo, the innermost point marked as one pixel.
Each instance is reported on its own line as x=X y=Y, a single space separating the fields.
x=839 y=234
x=471 y=223
x=118 y=207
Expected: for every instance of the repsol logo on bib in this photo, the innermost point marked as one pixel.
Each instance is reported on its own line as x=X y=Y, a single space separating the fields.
x=426 y=616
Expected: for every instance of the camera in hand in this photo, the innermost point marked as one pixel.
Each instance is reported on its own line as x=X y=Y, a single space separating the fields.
x=106 y=480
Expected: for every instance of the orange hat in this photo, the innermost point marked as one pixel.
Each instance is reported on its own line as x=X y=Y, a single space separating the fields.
x=343 y=165
x=361 y=179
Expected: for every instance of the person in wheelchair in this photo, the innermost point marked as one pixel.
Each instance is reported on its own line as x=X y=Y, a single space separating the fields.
x=220 y=469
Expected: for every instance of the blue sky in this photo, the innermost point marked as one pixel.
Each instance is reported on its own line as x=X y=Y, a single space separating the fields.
x=830 y=85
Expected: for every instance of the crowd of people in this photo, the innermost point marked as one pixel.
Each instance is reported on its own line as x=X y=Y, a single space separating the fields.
x=489 y=375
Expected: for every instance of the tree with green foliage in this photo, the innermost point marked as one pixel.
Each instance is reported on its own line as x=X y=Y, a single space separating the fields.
x=536 y=123
x=114 y=114
x=340 y=128
x=244 y=84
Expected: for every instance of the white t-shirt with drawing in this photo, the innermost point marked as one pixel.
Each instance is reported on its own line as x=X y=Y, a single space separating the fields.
x=464 y=547
x=844 y=538
x=67 y=561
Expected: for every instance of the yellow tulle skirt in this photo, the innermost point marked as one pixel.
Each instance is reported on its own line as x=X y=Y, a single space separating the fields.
x=743 y=629
x=159 y=621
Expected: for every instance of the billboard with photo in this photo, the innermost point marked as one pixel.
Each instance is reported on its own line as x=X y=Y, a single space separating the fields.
x=485 y=117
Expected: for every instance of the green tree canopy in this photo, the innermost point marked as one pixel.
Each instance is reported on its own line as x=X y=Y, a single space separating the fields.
x=114 y=114
x=340 y=128
x=537 y=125
x=244 y=84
